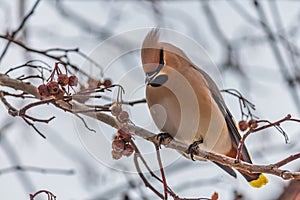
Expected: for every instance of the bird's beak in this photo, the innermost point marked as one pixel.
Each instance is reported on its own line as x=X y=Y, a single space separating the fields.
x=149 y=77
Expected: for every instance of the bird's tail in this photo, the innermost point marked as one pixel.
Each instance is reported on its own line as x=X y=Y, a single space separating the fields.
x=256 y=180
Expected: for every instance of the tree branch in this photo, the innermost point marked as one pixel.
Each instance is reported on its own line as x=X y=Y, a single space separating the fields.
x=147 y=135
x=62 y=58
x=36 y=169
x=14 y=33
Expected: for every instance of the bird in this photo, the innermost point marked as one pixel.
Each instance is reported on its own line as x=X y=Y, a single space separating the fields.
x=186 y=104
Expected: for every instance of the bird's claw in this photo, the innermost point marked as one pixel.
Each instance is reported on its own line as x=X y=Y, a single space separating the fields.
x=193 y=149
x=163 y=138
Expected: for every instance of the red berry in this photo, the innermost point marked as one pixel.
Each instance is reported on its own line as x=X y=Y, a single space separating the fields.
x=118 y=145
x=53 y=87
x=253 y=123
x=124 y=134
x=116 y=155
x=43 y=90
x=107 y=82
x=123 y=117
x=59 y=95
x=243 y=125
x=63 y=79
x=129 y=149
x=73 y=81
x=215 y=196
x=115 y=109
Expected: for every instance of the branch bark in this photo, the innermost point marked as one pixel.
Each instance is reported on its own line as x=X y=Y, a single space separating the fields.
x=291 y=192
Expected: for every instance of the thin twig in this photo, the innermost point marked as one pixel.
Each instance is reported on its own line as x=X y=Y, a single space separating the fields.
x=21 y=113
x=22 y=77
x=84 y=122
x=61 y=58
x=241 y=144
x=30 y=65
x=14 y=33
x=33 y=126
x=275 y=124
x=22 y=95
x=23 y=110
x=277 y=54
x=50 y=195
x=243 y=102
x=162 y=172
x=36 y=169
x=287 y=160
x=232 y=57
x=280 y=27
x=131 y=103
x=137 y=155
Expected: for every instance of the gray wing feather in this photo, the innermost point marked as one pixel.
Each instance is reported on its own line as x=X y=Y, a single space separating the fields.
x=234 y=133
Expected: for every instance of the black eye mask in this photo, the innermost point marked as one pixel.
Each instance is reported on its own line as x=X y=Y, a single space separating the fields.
x=158 y=80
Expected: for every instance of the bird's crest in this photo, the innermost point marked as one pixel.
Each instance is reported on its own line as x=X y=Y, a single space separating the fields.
x=151 y=40
x=150 y=50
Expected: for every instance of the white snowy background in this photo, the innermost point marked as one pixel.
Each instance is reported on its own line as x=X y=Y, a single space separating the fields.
x=255 y=72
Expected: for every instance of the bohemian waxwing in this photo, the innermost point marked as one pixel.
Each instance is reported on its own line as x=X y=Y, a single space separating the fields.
x=186 y=103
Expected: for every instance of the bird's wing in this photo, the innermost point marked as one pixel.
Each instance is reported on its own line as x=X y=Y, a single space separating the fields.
x=257 y=179
x=233 y=131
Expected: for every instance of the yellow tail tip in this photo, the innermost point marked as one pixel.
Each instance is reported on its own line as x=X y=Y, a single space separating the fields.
x=261 y=181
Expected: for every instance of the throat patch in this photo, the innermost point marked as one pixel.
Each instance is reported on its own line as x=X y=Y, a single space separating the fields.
x=158 y=80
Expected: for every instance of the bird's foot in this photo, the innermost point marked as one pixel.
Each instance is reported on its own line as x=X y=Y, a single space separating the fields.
x=193 y=148
x=163 y=138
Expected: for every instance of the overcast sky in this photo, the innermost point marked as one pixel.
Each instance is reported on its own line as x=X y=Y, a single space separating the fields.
x=89 y=25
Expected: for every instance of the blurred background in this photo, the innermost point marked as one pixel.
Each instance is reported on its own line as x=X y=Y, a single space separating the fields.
x=253 y=44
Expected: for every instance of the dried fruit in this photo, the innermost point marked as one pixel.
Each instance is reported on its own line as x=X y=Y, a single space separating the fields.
x=43 y=90
x=99 y=83
x=124 y=134
x=123 y=117
x=107 y=82
x=243 y=125
x=253 y=123
x=63 y=79
x=116 y=155
x=118 y=145
x=215 y=196
x=129 y=149
x=53 y=87
x=59 y=95
x=115 y=109
x=73 y=81
x=93 y=83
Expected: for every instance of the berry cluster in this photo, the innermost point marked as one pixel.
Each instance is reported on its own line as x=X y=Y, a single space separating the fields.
x=121 y=115
x=97 y=83
x=57 y=88
x=244 y=125
x=121 y=145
